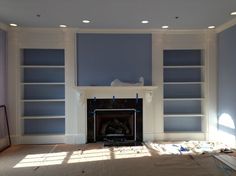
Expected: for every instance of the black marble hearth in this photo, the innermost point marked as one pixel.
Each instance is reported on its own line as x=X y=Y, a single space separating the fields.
x=115 y=120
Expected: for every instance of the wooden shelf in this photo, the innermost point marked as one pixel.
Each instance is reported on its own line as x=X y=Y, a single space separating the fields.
x=183 y=99
x=45 y=135
x=43 y=100
x=43 y=117
x=184 y=132
x=183 y=82
x=184 y=66
x=43 y=83
x=183 y=115
x=42 y=66
x=117 y=87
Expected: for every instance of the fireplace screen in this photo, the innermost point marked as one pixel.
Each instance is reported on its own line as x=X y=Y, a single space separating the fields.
x=115 y=123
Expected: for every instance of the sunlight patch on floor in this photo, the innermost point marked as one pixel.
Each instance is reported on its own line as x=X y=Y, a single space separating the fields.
x=131 y=152
x=47 y=159
x=90 y=155
x=34 y=160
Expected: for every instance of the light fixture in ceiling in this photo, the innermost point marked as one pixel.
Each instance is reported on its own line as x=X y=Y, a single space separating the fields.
x=144 y=21
x=211 y=27
x=233 y=13
x=13 y=25
x=165 y=27
x=63 y=25
x=86 y=21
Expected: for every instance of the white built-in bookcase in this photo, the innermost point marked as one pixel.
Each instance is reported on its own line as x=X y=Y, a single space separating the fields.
x=183 y=81
x=43 y=91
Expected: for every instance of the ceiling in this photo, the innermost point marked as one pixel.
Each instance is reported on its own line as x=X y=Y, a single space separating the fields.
x=125 y=14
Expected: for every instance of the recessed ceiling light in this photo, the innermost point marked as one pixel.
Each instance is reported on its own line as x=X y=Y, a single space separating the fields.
x=13 y=25
x=233 y=13
x=62 y=25
x=211 y=27
x=145 y=21
x=86 y=21
x=165 y=27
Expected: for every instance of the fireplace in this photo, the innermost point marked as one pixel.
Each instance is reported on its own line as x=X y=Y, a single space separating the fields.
x=115 y=123
x=114 y=119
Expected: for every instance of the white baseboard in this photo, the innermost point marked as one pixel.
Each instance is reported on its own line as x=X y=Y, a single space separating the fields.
x=148 y=137
x=161 y=136
x=184 y=136
x=75 y=139
x=42 y=139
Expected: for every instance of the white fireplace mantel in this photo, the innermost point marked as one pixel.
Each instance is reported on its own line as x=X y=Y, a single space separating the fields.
x=116 y=88
x=117 y=91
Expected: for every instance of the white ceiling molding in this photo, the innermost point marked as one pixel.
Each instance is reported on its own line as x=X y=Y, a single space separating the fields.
x=120 y=31
x=136 y=31
x=226 y=25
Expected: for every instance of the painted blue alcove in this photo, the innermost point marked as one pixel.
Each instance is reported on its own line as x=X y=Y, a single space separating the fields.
x=101 y=58
x=226 y=77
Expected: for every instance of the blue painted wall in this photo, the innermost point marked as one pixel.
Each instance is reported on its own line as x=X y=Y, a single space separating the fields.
x=227 y=74
x=2 y=66
x=101 y=58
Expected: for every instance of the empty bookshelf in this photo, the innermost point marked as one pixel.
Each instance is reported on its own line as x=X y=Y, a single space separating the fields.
x=183 y=90
x=43 y=91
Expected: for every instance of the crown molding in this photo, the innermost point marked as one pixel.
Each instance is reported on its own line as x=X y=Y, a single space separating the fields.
x=226 y=25
x=118 y=30
x=136 y=31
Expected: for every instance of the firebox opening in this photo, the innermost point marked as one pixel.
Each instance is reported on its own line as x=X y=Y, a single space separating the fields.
x=111 y=124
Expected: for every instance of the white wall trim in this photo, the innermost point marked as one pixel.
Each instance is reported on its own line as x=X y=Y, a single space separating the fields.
x=226 y=25
x=75 y=139
x=110 y=30
x=42 y=139
x=184 y=136
x=167 y=31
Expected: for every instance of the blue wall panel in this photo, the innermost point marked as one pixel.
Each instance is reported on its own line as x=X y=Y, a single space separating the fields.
x=44 y=75
x=226 y=73
x=43 y=57
x=182 y=57
x=182 y=107
x=101 y=58
x=182 y=75
x=44 y=126
x=44 y=109
x=182 y=124
x=44 y=92
x=182 y=91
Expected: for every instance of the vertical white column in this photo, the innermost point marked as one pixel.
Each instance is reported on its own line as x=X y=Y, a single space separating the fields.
x=157 y=80
x=75 y=122
x=13 y=86
x=211 y=85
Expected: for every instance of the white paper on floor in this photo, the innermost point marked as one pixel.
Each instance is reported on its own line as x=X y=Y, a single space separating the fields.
x=188 y=147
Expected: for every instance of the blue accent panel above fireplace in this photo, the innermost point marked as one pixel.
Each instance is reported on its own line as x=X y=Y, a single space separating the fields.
x=101 y=58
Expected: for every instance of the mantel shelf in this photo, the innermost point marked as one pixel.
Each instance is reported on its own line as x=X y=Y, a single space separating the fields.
x=116 y=87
